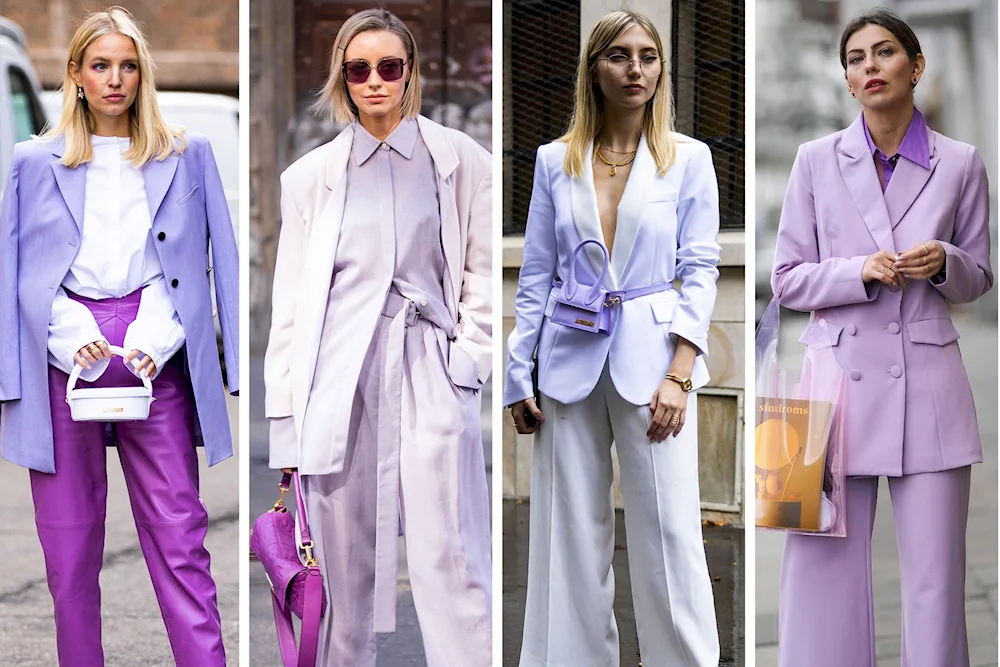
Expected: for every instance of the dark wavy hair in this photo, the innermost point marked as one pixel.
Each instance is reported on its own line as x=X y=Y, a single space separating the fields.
x=885 y=19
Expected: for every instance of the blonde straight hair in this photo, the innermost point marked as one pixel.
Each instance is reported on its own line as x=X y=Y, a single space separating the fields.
x=150 y=135
x=588 y=111
x=335 y=100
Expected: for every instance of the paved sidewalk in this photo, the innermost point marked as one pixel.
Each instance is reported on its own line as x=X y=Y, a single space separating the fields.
x=133 y=631
x=979 y=349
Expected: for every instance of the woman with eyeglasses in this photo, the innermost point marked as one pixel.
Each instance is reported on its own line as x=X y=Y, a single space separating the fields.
x=104 y=241
x=379 y=344
x=619 y=183
x=884 y=226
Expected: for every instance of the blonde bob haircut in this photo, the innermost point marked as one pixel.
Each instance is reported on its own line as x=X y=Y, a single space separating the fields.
x=335 y=100
x=151 y=138
x=588 y=109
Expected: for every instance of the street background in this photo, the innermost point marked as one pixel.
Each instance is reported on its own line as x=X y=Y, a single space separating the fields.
x=703 y=44
x=801 y=95
x=289 y=62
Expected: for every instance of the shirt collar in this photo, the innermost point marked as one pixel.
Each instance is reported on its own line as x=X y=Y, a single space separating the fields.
x=914 y=146
x=402 y=139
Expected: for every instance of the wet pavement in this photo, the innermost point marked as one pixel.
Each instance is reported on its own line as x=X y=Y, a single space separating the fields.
x=723 y=547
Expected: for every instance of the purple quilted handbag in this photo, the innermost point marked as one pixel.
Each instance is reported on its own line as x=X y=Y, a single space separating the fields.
x=295 y=588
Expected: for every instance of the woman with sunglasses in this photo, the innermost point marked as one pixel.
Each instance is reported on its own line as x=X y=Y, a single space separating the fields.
x=105 y=231
x=380 y=342
x=622 y=183
x=884 y=226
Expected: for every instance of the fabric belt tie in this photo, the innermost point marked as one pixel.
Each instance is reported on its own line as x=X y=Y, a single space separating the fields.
x=404 y=313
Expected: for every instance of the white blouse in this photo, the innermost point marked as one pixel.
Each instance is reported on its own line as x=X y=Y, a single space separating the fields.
x=116 y=258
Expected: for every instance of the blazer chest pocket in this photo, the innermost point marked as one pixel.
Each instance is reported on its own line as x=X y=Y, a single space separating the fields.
x=940 y=331
x=191 y=193
x=663 y=309
x=665 y=198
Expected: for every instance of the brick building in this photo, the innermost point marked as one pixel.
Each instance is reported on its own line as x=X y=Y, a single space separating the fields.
x=195 y=43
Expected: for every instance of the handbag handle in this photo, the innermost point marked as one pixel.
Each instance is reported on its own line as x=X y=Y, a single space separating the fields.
x=595 y=291
x=288 y=477
x=77 y=369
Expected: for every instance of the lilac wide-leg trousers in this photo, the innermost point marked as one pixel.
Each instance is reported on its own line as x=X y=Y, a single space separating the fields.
x=826 y=616
x=161 y=471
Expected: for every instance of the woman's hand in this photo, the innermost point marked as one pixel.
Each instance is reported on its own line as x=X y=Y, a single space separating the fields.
x=922 y=261
x=669 y=408
x=522 y=408
x=91 y=353
x=880 y=266
x=145 y=367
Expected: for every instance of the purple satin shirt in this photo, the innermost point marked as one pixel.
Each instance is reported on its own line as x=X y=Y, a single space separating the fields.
x=913 y=147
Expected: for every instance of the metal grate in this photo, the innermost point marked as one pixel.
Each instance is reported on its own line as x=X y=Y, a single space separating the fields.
x=708 y=78
x=541 y=48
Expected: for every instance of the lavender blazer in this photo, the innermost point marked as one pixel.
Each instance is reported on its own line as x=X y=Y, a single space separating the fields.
x=40 y=225
x=909 y=405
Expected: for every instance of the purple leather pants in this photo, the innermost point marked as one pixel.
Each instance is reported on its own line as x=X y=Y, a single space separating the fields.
x=161 y=471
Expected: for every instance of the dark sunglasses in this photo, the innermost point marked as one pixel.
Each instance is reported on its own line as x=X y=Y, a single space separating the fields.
x=389 y=69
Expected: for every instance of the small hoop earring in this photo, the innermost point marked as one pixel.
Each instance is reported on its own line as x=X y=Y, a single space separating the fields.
x=915 y=81
x=79 y=93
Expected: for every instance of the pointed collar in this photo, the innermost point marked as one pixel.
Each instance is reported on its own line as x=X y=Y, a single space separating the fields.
x=402 y=139
x=914 y=146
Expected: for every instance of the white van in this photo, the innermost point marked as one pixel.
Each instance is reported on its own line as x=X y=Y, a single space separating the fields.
x=21 y=113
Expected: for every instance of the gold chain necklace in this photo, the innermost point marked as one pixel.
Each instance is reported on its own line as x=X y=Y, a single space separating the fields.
x=614 y=165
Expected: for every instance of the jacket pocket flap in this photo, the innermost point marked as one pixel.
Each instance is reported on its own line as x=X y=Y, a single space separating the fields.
x=663 y=311
x=821 y=333
x=933 y=332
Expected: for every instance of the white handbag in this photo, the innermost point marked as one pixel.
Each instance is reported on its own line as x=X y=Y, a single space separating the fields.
x=108 y=404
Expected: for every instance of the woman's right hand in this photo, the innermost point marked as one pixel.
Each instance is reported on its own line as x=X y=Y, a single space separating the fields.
x=520 y=409
x=880 y=267
x=91 y=353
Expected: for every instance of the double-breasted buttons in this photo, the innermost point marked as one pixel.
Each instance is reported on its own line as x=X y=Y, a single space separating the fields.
x=894 y=327
x=174 y=282
x=895 y=371
x=851 y=329
x=161 y=236
x=855 y=374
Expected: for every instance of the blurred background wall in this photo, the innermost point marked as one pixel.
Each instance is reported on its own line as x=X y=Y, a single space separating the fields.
x=704 y=46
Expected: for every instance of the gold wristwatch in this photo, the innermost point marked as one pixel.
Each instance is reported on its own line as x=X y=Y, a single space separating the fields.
x=685 y=383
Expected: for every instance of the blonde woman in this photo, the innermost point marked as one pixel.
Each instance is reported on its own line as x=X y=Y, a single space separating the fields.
x=380 y=341
x=618 y=183
x=105 y=226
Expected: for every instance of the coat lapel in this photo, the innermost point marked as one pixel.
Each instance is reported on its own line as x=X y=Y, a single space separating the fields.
x=72 y=183
x=157 y=176
x=631 y=207
x=858 y=169
x=583 y=200
x=907 y=182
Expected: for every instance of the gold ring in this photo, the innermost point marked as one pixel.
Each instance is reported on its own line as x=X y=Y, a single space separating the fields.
x=676 y=419
x=926 y=251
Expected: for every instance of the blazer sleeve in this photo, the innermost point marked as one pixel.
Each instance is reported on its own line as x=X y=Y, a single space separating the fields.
x=284 y=300
x=534 y=283
x=475 y=303
x=967 y=272
x=226 y=263
x=698 y=254
x=10 y=358
x=800 y=280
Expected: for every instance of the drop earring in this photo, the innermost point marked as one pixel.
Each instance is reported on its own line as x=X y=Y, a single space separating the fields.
x=79 y=93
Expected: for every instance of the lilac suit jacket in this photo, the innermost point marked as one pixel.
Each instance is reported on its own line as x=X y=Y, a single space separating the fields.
x=40 y=224
x=909 y=405
x=667 y=229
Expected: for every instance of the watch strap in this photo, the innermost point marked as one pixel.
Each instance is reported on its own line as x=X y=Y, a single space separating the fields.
x=685 y=383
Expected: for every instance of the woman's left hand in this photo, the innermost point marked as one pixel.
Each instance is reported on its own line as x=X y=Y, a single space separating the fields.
x=922 y=261
x=145 y=367
x=669 y=408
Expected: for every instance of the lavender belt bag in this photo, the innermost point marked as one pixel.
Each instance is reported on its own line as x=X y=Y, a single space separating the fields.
x=583 y=306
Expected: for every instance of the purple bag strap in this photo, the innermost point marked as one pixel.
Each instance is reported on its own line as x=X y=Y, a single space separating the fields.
x=306 y=653
x=621 y=296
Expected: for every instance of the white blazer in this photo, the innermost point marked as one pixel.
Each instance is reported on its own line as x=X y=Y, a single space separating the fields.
x=313 y=191
x=667 y=229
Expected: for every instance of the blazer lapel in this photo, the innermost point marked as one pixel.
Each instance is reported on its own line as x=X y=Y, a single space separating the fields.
x=630 y=208
x=72 y=183
x=907 y=182
x=858 y=169
x=583 y=200
x=158 y=175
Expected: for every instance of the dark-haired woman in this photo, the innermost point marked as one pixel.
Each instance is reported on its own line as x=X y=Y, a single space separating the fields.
x=884 y=226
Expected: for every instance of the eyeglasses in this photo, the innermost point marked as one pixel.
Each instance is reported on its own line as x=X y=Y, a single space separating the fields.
x=619 y=63
x=389 y=69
